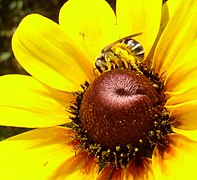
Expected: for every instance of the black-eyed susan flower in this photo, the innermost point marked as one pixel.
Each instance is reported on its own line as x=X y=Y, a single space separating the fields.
x=136 y=119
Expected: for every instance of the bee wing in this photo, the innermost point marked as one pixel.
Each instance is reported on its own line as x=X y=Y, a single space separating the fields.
x=108 y=47
x=129 y=37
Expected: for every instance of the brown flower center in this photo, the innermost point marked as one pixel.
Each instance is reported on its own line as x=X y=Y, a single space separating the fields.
x=119 y=108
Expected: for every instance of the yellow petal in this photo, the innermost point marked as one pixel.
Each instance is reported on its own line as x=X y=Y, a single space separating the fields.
x=48 y=54
x=36 y=154
x=168 y=10
x=186 y=94
x=178 y=37
x=140 y=16
x=140 y=169
x=111 y=172
x=191 y=134
x=184 y=115
x=25 y=102
x=91 y=23
x=83 y=167
x=176 y=160
x=182 y=77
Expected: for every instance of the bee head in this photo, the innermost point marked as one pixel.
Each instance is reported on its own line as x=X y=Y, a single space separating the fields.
x=101 y=63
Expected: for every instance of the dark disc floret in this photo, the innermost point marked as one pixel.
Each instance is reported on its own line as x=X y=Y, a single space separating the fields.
x=120 y=116
x=119 y=108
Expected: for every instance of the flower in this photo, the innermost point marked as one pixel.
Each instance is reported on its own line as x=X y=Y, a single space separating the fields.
x=61 y=58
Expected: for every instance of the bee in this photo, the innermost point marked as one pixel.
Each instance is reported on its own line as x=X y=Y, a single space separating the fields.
x=123 y=53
